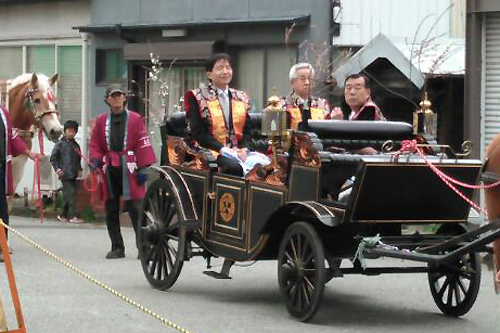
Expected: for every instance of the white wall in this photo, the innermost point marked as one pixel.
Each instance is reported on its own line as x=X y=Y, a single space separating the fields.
x=362 y=20
x=44 y=20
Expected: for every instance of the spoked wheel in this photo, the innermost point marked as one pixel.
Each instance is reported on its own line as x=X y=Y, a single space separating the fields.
x=301 y=270
x=162 y=240
x=455 y=286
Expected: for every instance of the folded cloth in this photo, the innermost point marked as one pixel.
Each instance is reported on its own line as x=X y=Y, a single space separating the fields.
x=253 y=158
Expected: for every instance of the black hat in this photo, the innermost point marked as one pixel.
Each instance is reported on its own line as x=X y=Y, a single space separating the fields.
x=114 y=88
x=71 y=124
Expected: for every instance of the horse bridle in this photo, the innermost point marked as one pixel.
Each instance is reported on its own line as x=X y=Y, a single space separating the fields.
x=33 y=108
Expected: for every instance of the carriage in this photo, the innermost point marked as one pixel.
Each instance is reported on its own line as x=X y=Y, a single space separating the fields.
x=318 y=210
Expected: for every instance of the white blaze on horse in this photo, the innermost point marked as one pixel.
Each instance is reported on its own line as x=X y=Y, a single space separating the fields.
x=32 y=106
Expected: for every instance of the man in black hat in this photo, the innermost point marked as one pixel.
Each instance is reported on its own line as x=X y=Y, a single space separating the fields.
x=120 y=146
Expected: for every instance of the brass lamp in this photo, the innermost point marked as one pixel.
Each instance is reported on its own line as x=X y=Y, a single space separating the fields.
x=425 y=120
x=274 y=125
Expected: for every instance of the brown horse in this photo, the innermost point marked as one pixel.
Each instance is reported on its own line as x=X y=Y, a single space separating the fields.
x=492 y=197
x=32 y=106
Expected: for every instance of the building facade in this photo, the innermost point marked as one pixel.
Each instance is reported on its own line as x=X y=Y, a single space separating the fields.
x=482 y=82
x=38 y=37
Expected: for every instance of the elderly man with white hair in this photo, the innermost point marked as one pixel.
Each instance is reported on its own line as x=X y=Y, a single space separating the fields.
x=299 y=104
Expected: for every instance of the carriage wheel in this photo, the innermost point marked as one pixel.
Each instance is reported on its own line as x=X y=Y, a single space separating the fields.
x=162 y=241
x=455 y=286
x=301 y=270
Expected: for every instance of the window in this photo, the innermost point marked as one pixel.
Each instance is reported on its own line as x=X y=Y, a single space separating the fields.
x=41 y=59
x=110 y=66
x=11 y=62
x=263 y=72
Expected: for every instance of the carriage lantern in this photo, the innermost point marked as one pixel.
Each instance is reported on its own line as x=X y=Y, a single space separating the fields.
x=425 y=120
x=274 y=125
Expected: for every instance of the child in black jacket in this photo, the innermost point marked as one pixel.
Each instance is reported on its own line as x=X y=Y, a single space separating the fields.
x=66 y=161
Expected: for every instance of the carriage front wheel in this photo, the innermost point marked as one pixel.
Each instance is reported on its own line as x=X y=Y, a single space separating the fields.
x=455 y=286
x=301 y=270
x=162 y=241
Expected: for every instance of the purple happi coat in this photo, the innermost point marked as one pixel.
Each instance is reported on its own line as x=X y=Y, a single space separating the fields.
x=137 y=152
x=14 y=147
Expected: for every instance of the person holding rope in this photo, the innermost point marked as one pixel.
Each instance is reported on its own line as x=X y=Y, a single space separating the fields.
x=121 y=149
x=11 y=145
x=66 y=161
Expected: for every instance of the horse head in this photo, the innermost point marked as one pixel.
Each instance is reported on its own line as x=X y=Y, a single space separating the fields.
x=32 y=102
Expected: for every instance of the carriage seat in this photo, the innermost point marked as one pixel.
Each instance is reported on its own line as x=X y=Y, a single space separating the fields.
x=358 y=134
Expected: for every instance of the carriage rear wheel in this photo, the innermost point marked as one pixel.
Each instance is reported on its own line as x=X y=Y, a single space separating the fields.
x=162 y=240
x=301 y=270
x=455 y=286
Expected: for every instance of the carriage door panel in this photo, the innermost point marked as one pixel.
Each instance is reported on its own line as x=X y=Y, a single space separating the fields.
x=227 y=225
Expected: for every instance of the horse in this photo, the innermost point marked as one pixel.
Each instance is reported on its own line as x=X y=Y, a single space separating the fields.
x=32 y=105
x=492 y=199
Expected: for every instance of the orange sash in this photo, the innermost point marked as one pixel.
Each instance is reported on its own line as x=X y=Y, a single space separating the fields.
x=219 y=127
x=296 y=116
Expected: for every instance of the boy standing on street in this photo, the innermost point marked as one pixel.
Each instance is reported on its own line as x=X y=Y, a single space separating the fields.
x=66 y=160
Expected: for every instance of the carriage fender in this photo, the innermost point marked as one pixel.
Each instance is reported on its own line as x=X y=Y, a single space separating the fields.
x=304 y=210
x=188 y=215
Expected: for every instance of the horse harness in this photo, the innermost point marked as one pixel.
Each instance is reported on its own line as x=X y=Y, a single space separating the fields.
x=33 y=108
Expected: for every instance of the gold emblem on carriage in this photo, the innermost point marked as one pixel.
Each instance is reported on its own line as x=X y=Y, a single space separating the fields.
x=226 y=207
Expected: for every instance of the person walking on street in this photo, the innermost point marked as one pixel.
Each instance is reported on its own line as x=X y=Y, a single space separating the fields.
x=66 y=161
x=121 y=148
x=11 y=145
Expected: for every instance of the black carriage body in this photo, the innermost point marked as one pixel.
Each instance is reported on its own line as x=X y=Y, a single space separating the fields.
x=245 y=220
x=321 y=210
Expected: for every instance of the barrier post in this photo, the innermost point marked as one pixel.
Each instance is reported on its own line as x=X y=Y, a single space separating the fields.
x=12 y=282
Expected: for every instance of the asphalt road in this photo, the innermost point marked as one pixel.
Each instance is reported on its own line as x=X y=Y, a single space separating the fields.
x=55 y=299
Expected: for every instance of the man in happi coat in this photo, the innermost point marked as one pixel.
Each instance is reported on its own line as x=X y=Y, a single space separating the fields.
x=11 y=145
x=300 y=104
x=120 y=146
x=217 y=115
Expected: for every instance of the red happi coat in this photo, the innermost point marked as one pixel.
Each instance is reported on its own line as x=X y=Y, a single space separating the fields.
x=14 y=147
x=137 y=152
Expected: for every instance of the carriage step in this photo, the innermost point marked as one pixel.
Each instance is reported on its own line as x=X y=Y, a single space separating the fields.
x=217 y=275
x=224 y=272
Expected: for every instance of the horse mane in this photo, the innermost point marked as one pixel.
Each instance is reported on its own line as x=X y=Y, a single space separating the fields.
x=43 y=81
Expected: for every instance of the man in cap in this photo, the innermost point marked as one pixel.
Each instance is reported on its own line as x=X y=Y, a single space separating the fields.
x=120 y=146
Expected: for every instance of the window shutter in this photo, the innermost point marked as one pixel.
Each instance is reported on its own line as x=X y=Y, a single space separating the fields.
x=492 y=76
x=69 y=84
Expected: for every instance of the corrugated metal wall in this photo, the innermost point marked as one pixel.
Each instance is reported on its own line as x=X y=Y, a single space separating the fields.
x=491 y=70
x=362 y=20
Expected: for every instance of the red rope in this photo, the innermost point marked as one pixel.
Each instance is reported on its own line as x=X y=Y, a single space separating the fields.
x=93 y=186
x=410 y=146
x=37 y=177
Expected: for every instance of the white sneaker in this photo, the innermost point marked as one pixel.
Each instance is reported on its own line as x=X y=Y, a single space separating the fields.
x=62 y=218
x=75 y=220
